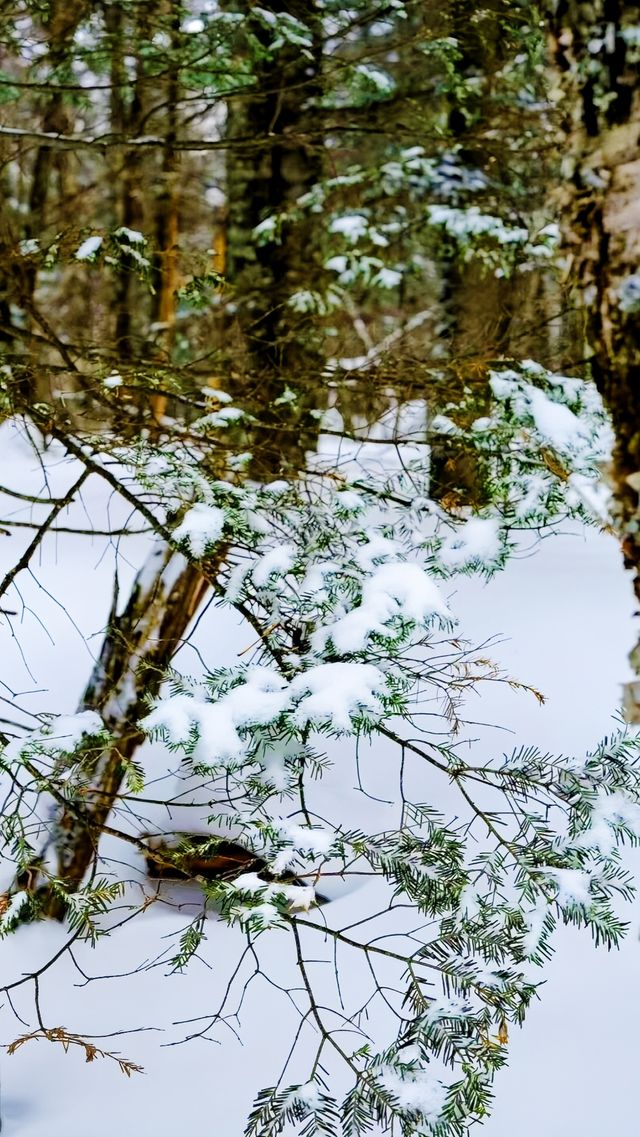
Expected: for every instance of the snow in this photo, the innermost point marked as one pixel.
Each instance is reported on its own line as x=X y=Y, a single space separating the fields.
x=478 y=539
x=400 y=590
x=29 y=247
x=309 y=839
x=179 y=714
x=334 y=692
x=275 y=562
x=308 y=1095
x=535 y=918
x=134 y=236
x=88 y=249
x=573 y=885
x=67 y=731
x=444 y=1007
x=554 y=421
x=258 y=701
x=215 y=393
x=313 y=841
x=353 y=226
x=416 y=1093
x=201 y=527
x=565 y=617
x=301 y=897
x=379 y=79
x=609 y=811
x=473 y=222
x=227 y=416
x=388 y=278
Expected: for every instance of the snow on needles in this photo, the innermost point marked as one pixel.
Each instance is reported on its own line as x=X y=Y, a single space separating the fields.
x=331 y=693
x=478 y=539
x=395 y=590
x=334 y=692
x=416 y=1092
x=258 y=701
x=201 y=527
x=62 y=734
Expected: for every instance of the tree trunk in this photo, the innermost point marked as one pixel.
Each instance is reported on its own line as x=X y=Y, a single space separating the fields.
x=167 y=214
x=596 y=65
x=275 y=156
x=138 y=647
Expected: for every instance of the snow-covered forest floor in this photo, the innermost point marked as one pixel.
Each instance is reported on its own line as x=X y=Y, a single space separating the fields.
x=561 y=612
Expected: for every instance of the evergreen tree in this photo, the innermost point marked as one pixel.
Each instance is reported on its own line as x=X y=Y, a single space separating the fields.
x=265 y=267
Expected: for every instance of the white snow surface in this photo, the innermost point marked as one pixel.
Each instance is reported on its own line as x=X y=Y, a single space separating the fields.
x=564 y=613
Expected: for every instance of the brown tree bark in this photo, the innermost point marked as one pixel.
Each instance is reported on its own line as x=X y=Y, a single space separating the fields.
x=282 y=160
x=167 y=211
x=598 y=79
x=138 y=647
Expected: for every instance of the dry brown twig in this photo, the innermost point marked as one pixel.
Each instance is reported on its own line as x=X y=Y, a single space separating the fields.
x=59 y=1034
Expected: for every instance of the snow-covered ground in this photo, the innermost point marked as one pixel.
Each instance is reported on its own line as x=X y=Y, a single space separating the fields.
x=564 y=617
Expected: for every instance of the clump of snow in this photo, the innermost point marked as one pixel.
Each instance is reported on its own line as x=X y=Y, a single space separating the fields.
x=307 y=1095
x=334 y=692
x=215 y=393
x=201 y=527
x=314 y=842
x=300 y=897
x=256 y=702
x=477 y=540
x=277 y=488
x=553 y=420
x=388 y=278
x=180 y=715
x=472 y=222
x=418 y=1092
x=132 y=235
x=352 y=226
x=401 y=590
x=66 y=732
x=534 y=920
x=380 y=80
x=275 y=562
x=445 y=1007
x=29 y=247
x=469 y=902
x=226 y=416
x=266 y=230
x=610 y=811
x=595 y=495
x=573 y=886
x=89 y=248
x=550 y=416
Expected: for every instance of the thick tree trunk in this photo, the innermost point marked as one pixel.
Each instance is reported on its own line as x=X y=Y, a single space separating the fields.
x=138 y=647
x=596 y=62
x=279 y=159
